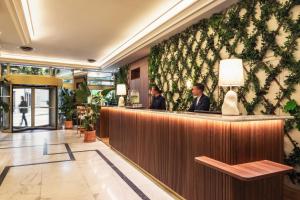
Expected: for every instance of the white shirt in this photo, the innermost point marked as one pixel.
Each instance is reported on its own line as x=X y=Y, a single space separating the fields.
x=198 y=99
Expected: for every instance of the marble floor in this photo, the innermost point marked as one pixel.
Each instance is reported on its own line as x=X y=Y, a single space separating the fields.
x=57 y=165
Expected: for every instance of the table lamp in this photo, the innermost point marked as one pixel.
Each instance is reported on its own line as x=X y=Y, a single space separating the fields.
x=231 y=74
x=121 y=91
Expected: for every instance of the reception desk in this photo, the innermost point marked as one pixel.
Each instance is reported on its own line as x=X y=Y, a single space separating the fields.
x=165 y=145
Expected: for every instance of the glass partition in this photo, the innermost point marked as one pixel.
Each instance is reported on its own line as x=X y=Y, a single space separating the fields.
x=65 y=74
x=42 y=107
x=4 y=106
x=100 y=78
x=30 y=70
x=13 y=68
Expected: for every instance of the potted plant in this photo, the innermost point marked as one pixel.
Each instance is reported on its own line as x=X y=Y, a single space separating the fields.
x=109 y=96
x=293 y=158
x=67 y=107
x=82 y=94
x=90 y=118
x=4 y=102
x=4 y=108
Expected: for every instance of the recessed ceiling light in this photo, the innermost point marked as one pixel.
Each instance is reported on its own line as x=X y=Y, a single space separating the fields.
x=91 y=60
x=26 y=48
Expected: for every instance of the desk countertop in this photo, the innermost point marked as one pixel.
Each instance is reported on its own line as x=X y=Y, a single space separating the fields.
x=207 y=116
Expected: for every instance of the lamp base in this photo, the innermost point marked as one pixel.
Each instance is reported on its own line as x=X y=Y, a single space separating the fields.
x=230 y=106
x=121 y=102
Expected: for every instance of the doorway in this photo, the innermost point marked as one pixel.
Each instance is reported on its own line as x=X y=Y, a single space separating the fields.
x=34 y=107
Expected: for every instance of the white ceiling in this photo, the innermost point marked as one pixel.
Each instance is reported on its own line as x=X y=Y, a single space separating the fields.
x=71 y=31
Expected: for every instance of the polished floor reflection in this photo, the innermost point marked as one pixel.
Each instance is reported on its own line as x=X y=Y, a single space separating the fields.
x=57 y=165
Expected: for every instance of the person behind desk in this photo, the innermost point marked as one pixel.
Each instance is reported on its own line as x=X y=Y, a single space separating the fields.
x=201 y=102
x=158 y=101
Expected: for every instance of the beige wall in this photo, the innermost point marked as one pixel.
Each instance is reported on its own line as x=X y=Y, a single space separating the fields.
x=141 y=84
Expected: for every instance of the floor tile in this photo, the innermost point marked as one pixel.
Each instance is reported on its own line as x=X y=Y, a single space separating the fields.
x=55 y=176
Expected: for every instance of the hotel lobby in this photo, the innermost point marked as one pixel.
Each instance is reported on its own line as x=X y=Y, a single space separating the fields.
x=160 y=100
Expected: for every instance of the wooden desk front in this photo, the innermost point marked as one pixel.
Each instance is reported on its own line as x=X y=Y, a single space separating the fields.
x=165 y=145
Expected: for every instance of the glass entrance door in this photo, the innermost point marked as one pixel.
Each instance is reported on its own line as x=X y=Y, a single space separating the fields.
x=34 y=107
x=42 y=108
x=22 y=99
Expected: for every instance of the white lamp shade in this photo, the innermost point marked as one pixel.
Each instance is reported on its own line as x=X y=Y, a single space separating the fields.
x=121 y=89
x=231 y=72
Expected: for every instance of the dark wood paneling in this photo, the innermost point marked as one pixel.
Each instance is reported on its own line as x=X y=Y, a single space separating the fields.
x=140 y=84
x=291 y=192
x=165 y=146
x=128 y=137
x=104 y=123
x=256 y=140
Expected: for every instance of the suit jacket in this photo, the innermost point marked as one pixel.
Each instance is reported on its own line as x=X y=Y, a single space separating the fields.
x=203 y=104
x=158 y=103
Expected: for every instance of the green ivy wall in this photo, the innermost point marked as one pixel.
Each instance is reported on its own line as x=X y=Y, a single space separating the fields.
x=264 y=33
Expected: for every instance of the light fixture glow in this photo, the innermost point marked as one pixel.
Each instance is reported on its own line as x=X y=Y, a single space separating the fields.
x=30 y=58
x=121 y=89
x=231 y=72
x=27 y=15
x=155 y=24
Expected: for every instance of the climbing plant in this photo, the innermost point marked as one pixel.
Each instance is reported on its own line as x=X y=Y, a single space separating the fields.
x=121 y=75
x=263 y=33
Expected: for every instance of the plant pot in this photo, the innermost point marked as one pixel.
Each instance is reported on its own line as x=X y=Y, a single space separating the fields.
x=69 y=124
x=81 y=129
x=90 y=136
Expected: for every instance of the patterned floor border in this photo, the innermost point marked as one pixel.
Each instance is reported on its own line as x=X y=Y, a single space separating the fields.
x=137 y=190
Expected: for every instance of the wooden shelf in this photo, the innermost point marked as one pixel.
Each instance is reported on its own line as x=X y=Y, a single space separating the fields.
x=247 y=171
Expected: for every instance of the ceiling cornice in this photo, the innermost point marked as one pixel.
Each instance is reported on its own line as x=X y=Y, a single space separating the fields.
x=197 y=10
x=45 y=63
x=17 y=15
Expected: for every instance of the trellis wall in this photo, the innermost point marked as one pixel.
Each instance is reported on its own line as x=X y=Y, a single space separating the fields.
x=264 y=33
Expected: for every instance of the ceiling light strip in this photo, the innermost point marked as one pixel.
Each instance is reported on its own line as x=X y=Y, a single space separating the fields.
x=143 y=29
x=180 y=6
x=12 y=58
x=163 y=28
x=28 y=17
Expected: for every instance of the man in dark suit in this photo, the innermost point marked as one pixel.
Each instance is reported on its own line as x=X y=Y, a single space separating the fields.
x=158 y=101
x=201 y=101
